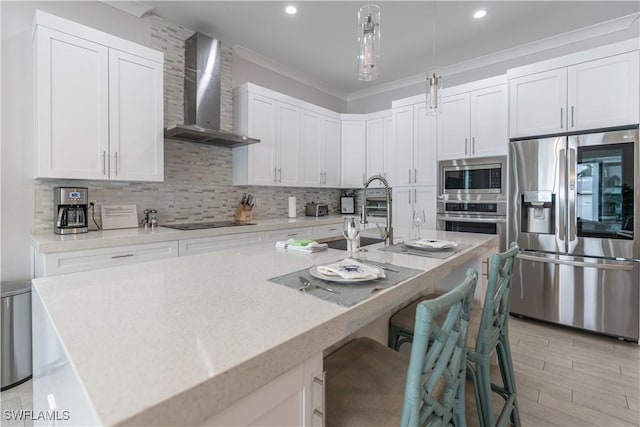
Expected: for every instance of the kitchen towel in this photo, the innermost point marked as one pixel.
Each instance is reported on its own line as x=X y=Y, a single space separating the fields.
x=351 y=293
x=292 y=206
x=308 y=246
x=400 y=248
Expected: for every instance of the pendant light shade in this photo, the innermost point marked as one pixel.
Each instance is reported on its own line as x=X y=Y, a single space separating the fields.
x=434 y=92
x=368 y=42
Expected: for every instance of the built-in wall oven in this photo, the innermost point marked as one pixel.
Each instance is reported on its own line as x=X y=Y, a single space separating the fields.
x=472 y=196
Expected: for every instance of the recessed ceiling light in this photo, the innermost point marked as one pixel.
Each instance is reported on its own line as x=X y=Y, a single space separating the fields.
x=480 y=14
x=291 y=10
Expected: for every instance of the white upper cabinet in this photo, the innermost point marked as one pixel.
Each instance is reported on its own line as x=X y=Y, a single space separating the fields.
x=299 y=144
x=415 y=142
x=135 y=118
x=473 y=123
x=380 y=150
x=354 y=136
x=603 y=93
x=320 y=150
x=579 y=93
x=332 y=151
x=99 y=105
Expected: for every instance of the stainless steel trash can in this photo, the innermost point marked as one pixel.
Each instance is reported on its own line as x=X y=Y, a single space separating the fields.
x=16 y=332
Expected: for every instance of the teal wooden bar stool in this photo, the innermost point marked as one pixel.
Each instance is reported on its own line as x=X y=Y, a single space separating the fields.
x=366 y=382
x=488 y=332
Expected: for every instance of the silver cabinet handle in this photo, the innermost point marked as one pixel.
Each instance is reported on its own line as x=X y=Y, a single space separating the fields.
x=280 y=175
x=409 y=176
x=465 y=146
x=415 y=176
x=104 y=163
x=415 y=195
x=275 y=176
x=561 y=116
x=409 y=196
x=321 y=383
x=116 y=161
x=292 y=234
x=600 y=266
x=473 y=145
x=572 y=124
x=122 y=256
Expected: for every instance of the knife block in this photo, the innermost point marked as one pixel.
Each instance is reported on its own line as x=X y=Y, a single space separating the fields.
x=243 y=213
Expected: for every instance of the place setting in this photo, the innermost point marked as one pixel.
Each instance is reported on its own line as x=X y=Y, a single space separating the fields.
x=426 y=247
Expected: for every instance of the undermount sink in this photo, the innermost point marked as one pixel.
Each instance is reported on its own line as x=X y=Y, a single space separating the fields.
x=341 y=242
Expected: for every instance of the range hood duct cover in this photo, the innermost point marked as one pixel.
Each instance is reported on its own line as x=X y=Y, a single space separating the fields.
x=202 y=97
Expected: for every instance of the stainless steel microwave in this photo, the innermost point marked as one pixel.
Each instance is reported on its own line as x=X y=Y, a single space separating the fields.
x=473 y=176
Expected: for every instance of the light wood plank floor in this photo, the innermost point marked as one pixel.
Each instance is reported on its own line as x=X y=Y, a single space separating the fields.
x=568 y=378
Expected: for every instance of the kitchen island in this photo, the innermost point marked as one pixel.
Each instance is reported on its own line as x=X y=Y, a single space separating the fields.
x=179 y=341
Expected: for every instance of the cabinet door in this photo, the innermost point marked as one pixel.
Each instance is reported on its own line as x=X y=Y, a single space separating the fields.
x=289 y=147
x=488 y=123
x=425 y=200
x=353 y=153
x=603 y=93
x=218 y=243
x=375 y=148
x=312 y=150
x=262 y=168
x=424 y=146
x=389 y=151
x=72 y=89
x=403 y=125
x=332 y=152
x=537 y=104
x=453 y=127
x=403 y=207
x=135 y=118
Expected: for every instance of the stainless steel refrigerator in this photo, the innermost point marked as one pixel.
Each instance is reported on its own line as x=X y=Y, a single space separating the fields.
x=572 y=200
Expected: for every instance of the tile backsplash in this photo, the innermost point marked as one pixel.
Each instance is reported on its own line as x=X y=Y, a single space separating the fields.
x=197 y=178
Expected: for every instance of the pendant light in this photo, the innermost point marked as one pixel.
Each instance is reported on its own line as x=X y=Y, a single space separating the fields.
x=368 y=42
x=434 y=79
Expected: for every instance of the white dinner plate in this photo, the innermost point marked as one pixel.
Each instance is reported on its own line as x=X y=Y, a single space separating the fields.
x=431 y=244
x=315 y=273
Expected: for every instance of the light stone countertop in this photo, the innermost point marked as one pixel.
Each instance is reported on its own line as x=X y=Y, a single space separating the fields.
x=51 y=243
x=173 y=342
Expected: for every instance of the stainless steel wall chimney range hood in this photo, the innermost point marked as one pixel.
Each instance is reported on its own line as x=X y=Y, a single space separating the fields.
x=202 y=97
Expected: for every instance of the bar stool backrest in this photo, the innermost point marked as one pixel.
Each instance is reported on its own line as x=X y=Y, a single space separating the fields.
x=434 y=393
x=495 y=312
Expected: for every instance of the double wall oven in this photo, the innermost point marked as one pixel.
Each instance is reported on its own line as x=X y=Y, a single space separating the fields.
x=472 y=196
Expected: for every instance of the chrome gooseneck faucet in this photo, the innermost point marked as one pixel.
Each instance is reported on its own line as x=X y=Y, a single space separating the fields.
x=387 y=232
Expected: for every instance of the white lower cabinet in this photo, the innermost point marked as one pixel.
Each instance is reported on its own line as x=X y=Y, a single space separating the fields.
x=292 y=399
x=290 y=233
x=217 y=243
x=51 y=264
x=327 y=231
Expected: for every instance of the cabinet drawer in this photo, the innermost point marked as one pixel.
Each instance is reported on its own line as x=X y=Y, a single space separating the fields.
x=91 y=259
x=291 y=233
x=218 y=243
x=327 y=231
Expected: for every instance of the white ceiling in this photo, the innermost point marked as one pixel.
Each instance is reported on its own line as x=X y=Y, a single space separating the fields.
x=319 y=42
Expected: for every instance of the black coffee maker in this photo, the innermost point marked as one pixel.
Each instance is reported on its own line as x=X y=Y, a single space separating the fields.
x=70 y=210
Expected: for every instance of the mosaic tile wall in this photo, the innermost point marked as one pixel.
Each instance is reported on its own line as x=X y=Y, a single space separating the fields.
x=197 y=178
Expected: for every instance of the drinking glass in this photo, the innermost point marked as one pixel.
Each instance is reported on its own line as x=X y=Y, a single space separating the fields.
x=351 y=232
x=419 y=220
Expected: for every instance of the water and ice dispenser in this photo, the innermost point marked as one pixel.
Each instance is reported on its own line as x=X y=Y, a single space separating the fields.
x=538 y=212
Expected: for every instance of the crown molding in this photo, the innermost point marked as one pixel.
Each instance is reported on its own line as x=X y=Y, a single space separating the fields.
x=264 y=62
x=596 y=30
x=135 y=8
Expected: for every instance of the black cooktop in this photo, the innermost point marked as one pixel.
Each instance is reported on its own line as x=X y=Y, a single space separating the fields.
x=202 y=225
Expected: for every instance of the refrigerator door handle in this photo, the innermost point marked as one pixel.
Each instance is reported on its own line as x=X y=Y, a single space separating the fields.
x=618 y=265
x=562 y=190
x=572 y=195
